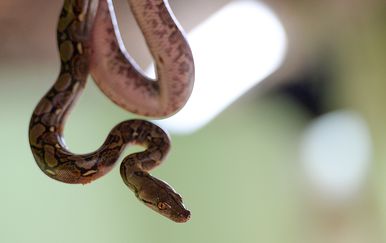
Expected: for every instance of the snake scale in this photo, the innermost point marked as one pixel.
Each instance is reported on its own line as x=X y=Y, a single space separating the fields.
x=74 y=37
x=127 y=86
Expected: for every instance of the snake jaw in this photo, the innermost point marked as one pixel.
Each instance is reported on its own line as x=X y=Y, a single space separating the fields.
x=156 y=194
x=178 y=213
x=165 y=204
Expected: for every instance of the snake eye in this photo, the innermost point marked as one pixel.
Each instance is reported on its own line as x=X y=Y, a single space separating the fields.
x=163 y=205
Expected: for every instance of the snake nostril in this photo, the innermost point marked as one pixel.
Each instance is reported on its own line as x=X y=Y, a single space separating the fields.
x=185 y=216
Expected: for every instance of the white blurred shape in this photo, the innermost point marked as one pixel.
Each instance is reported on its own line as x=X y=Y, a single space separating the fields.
x=234 y=49
x=336 y=153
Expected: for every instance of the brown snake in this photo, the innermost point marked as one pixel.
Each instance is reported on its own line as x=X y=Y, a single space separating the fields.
x=74 y=33
x=121 y=79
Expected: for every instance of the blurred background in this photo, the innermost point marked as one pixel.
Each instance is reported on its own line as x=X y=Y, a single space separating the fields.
x=295 y=155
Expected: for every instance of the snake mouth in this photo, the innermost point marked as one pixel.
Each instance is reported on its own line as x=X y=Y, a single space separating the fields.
x=183 y=217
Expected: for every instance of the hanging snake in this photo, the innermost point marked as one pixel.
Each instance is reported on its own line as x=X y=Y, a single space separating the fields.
x=74 y=34
x=121 y=79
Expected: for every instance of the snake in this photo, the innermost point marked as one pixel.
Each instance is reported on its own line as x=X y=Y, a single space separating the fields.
x=74 y=33
x=121 y=79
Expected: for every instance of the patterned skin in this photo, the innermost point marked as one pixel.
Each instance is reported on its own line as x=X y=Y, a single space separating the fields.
x=121 y=79
x=74 y=32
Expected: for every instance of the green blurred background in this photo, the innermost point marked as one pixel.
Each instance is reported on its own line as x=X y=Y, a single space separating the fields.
x=240 y=176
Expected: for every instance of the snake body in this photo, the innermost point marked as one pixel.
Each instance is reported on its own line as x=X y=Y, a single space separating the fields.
x=121 y=79
x=74 y=32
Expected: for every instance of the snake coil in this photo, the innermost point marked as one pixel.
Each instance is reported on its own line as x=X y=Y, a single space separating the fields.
x=74 y=35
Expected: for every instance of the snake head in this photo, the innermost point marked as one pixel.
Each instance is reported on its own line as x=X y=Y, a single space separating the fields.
x=161 y=197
